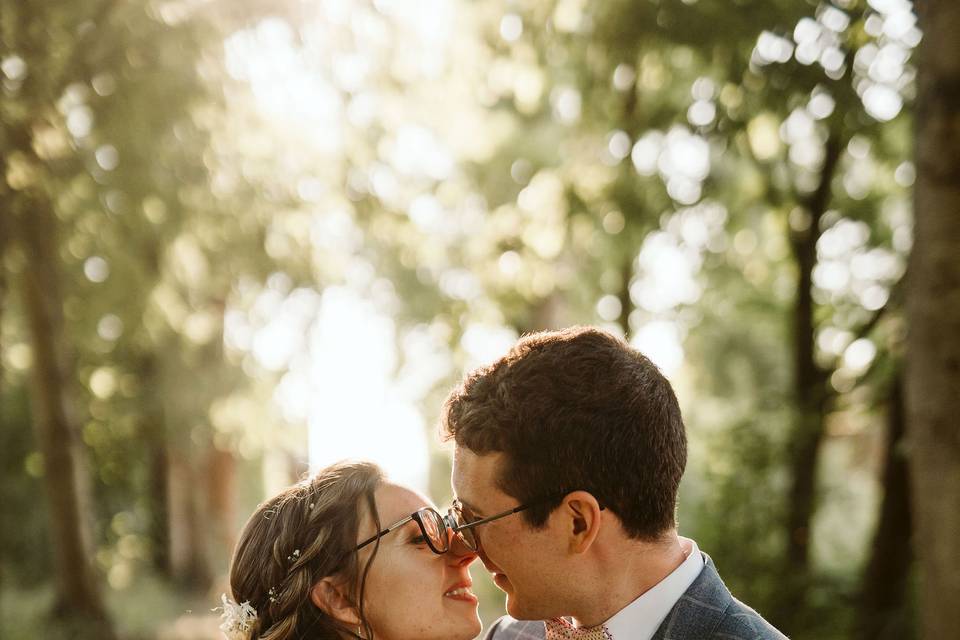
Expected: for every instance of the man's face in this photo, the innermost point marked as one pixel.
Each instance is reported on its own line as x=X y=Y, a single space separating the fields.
x=526 y=563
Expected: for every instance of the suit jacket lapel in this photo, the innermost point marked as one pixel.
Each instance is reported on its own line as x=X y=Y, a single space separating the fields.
x=699 y=610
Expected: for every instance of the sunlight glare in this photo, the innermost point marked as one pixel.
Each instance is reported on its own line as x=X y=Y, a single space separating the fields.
x=484 y=343
x=289 y=92
x=661 y=342
x=667 y=275
x=355 y=407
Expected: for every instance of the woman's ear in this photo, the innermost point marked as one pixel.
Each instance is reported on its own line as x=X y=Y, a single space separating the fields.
x=330 y=598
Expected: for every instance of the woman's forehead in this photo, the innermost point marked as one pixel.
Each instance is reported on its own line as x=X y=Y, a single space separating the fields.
x=395 y=502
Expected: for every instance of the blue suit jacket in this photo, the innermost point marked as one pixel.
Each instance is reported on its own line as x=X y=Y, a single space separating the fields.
x=706 y=611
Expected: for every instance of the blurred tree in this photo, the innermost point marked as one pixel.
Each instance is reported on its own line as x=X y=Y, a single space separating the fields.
x=883 y=612
x=204 y=197
x=78 y=597
x=28 y=203
x=799 y=126
x=4 y=284
x=932 y=374
x=105 y=180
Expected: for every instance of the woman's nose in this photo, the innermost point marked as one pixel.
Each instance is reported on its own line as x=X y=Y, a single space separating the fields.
x=459 y=554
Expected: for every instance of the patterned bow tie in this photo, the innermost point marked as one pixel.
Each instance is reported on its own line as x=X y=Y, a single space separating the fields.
x=561 y=629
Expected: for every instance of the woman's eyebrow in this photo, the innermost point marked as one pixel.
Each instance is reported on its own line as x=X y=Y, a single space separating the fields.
x=410 y=527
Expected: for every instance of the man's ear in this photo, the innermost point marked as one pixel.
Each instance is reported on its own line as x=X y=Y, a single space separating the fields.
x=583 y=515
x=330 y=598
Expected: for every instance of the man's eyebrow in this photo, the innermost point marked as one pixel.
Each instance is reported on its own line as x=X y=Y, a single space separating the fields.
x=468 y=505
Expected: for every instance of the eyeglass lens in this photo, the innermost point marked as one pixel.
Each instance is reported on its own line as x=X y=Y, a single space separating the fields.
x=469 y=536
x=435 y=529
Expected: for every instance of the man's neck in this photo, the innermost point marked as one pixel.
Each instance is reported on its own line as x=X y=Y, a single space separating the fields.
x=626 y=574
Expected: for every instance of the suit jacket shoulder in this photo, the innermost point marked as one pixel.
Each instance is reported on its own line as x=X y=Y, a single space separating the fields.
x=707 y=611
x=507 y=628
x=747 y=624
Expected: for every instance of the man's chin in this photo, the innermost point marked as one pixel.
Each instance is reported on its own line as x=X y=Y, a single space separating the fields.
x=520 y=610
x=518 y=607
x=514 y=608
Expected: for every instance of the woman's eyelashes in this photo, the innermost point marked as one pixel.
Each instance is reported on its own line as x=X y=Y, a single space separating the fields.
x=415 y=535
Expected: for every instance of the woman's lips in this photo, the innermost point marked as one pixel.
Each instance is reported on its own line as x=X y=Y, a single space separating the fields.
x=462 y=593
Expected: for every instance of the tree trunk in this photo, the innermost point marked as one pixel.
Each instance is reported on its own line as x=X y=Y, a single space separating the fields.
x=626 y=302
x=4 y=242
x=222 y=499
x=188 y=519
x=884 y=610
x=809 y=379
x=933 y=318
x=152 y=429
x=810 y=395
x=77 y=595
x=158 y=498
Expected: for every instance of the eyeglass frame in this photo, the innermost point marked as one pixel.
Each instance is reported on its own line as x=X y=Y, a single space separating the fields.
x=448 y=521
x=457 y=508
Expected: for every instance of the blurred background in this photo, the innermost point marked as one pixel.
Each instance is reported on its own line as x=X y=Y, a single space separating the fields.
x=241 y=240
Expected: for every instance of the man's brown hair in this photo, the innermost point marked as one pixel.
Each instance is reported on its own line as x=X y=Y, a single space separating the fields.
x=576 y=409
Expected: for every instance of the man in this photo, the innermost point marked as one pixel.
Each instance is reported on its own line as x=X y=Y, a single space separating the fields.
x=569 y=451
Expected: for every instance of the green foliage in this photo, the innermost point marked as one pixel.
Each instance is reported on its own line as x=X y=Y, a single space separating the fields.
x=190 y=217
x=24 y=540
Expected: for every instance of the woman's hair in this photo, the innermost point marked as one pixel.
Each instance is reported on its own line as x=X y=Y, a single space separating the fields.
x=297 y=538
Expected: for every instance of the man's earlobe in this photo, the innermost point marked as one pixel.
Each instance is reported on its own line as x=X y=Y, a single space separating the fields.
x=330 y=598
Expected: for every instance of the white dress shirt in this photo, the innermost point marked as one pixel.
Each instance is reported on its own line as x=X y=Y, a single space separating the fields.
x=640 y=619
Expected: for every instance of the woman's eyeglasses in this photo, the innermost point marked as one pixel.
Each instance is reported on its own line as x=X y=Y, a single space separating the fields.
x=434 y=527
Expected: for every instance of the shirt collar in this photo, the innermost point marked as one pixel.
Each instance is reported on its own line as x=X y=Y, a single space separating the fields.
x=640 y=619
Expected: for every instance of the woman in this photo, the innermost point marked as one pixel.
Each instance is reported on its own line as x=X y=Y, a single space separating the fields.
x=349 y=555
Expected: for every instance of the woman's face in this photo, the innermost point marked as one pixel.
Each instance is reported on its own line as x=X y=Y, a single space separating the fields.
x=411 y=592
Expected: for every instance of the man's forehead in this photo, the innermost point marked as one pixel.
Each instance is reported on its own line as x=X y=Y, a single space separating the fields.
x=474 y=475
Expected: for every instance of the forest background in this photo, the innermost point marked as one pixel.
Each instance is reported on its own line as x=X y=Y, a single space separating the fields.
x=241 y=239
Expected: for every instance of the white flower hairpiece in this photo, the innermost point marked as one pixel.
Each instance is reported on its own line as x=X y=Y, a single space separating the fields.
x=238 y=619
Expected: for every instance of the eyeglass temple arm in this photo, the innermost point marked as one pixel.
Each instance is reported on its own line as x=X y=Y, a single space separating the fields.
x=470 y=525
x=504 y=514
x=380 y=534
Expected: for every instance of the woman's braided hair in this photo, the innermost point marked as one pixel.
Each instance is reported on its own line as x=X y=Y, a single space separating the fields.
x=297 y=538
